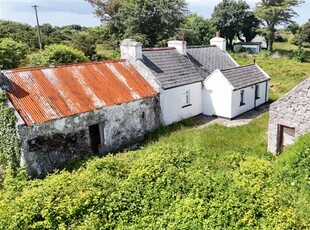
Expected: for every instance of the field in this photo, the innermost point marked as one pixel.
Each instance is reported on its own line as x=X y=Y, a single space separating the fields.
x=182 y=178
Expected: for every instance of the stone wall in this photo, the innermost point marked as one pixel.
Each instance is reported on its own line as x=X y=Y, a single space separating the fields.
x=48 y=145
x=292 y=110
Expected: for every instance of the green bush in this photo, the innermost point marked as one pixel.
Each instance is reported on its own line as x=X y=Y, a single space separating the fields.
x=9 y=144
x=57 y=54
x=12 y=53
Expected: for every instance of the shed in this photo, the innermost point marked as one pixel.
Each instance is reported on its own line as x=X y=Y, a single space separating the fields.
x=70 y=111
x=289 y=117
x=253 y=47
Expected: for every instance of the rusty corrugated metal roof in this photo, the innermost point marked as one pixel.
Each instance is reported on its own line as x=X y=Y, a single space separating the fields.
x=45 y=93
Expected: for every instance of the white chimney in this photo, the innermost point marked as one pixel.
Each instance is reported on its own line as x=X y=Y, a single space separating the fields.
x=179 y=45
x=131 y=49
x=218 y=41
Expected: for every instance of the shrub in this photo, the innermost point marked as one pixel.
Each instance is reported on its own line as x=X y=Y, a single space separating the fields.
x=57 y=54
x=12 y=53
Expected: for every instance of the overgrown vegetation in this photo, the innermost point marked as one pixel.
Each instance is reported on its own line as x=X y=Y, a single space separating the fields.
x=9 y=144
x=211 y=178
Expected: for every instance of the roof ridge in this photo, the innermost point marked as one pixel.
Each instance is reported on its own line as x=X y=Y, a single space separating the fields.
x=158 y=48
x=63 y=65
x=201 y=46
x=237 y=67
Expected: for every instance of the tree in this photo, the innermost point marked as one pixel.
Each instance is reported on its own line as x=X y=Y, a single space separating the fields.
x=84 y=42
x=305 y=32
x=56 y=54
x=12 y=53
x=19 y=32
x=274 y=13
x=249 y=26
x=233 y=18
x=198 y=30
x=150 y=21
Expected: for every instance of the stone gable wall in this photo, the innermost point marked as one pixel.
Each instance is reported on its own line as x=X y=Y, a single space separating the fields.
x=292 y=110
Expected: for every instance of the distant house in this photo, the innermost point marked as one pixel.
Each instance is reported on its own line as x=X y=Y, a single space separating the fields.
x=289 y=117
x=190 y=80
x=69 y=111
x=253 y=47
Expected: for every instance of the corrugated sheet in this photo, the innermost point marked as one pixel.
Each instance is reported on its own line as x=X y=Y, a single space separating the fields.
x=44 y=93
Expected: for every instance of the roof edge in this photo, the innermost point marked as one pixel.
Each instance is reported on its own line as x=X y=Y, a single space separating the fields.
x=62 y=65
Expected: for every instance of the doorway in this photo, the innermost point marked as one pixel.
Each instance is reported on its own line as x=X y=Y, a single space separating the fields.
x=287 y=137
x=95 y=138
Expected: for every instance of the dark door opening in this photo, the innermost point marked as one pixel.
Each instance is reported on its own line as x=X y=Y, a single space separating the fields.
x=95 y=139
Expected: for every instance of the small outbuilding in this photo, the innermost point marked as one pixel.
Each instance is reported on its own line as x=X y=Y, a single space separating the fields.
x=70 y=111
x=253 y=47
x=289 y=118
x=231 y=92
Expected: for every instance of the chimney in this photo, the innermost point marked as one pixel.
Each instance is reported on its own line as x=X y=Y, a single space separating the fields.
x=131 y=49
x=179 y=45
x=218 y=41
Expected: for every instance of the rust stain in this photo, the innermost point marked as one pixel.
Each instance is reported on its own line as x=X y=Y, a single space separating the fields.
x=45 y=93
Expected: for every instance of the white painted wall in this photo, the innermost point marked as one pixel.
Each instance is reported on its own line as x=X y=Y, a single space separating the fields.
x=249 y=99
x=249 y=96
x=173 y=101
x=217 y=95
x=220 y=99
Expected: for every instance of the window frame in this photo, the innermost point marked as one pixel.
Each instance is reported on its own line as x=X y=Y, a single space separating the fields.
x=242 y=97
x=187 y=97
x=257 y=92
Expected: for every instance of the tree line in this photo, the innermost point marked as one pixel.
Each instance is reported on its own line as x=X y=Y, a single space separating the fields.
x=151 y=22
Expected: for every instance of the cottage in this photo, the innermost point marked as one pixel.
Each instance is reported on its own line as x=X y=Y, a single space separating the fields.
x=172 y=75
x=228 y=89
x=289 y=117
x=69 y=111
x=198 y=79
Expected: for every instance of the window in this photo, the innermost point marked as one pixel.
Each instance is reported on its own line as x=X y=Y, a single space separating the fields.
x=187 y=99
x=242 y=97
x=257 y=92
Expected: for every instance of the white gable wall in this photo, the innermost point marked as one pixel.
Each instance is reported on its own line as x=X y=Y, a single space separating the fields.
x=217 y=95
x=173 y=103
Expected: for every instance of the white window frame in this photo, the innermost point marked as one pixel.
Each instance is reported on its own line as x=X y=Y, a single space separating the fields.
x=242 y=97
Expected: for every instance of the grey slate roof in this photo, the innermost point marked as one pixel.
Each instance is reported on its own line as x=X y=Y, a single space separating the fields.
x=170 y=68
x=244 y=76
x=209 y=58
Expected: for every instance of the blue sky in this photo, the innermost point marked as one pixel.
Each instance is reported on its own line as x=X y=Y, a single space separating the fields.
x=67 y=12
